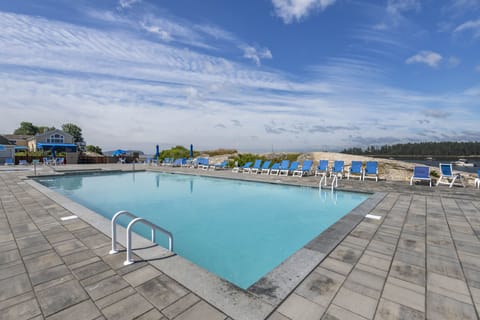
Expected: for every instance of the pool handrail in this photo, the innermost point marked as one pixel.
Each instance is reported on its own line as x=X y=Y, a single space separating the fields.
x=136 y=219
x=324 y=180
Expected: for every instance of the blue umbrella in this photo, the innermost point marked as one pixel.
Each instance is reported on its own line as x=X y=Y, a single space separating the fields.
x=118 y=152
x=191 y=151
x=157 y=152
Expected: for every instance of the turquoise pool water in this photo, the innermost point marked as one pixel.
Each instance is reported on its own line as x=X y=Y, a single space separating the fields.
x=238 y=230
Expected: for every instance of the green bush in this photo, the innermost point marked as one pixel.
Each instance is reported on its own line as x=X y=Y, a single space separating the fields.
x=23 y=153
x=177 y=153
x=251 y=157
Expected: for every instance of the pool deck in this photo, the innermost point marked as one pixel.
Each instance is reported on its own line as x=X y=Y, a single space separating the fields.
x=420 y=260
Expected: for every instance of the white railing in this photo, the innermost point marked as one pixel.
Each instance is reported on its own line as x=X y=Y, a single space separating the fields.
x=136 y=219
x=324 y=181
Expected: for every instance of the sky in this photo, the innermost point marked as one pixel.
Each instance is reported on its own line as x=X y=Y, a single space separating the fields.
x=254 y=75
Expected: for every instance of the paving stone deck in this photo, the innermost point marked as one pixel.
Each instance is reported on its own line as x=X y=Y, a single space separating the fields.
x=421 y=260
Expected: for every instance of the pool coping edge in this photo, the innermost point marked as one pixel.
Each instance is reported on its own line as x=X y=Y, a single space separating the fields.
x=264 y=296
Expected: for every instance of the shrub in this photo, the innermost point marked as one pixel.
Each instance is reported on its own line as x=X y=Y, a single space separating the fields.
x=176 y=153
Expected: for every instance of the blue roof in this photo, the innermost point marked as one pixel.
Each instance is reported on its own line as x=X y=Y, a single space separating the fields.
x=54 y=145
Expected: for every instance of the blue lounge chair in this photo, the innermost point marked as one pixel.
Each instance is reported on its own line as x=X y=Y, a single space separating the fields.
x=274 y=169
x=9 y=162
x=167 y=161
x=284 y=165
x=219 y=166
x=202 y=163
x=371 y=170
x=322 y=168
x=293 y=166
x=477 y=180
x=22 y=162
x=421 y=173
x=355 y=169
x=306 y=168
x=59 y=161
x=448 y=177
x=246 y=166
x=256 y=166
x=337 y=169
x=265 y=167
x=179 y=162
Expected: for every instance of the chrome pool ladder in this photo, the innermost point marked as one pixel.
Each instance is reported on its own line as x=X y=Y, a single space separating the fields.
x=136 y=219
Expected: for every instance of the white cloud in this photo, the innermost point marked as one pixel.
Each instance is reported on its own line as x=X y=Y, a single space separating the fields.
x=164 y=35
x=460 y=7
x=429 y=58
x=435 y=113
x=127 y=3
x=256 y=54
x=399 y=6
x=474 y=91
x=472 y=25
x=296 y=10
x=216 y=32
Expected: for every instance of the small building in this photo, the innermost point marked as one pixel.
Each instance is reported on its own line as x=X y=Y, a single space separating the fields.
x=20 y=140
x=7 y=150
x=54 y=141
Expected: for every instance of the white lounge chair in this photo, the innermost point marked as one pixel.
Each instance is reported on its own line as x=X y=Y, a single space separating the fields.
x=322 y=168
x=421 y=173
x=355 y=169
x=448 y=177
x=371 y=170
x=306 y=168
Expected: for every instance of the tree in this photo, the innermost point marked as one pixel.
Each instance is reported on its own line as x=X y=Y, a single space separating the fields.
x=92 y=148
x=73 y=130
x=43 y=129
x=26 y=128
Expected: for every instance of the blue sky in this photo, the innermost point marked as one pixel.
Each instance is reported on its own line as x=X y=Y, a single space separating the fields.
x=257 y=75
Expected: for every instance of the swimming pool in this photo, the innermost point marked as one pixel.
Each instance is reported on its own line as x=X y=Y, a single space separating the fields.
x=236 y=229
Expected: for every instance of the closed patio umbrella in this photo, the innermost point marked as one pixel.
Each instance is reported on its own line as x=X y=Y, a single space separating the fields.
x=191 y=151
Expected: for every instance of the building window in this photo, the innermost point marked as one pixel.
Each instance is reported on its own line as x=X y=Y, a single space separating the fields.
x=55 y=138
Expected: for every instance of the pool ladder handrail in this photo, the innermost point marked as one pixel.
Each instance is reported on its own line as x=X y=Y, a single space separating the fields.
x=136 y=219
x=324 y=180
